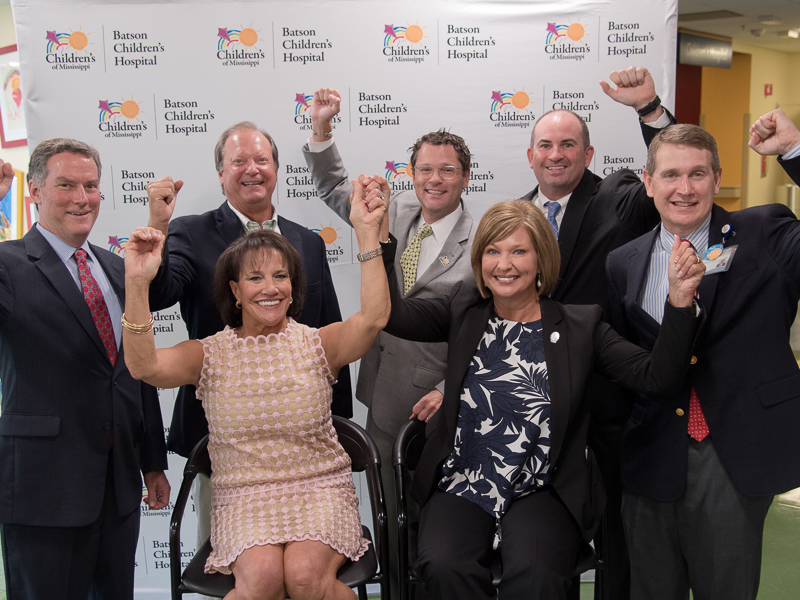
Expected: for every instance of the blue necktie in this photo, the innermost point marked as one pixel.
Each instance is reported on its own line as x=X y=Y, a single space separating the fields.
x=553 y=208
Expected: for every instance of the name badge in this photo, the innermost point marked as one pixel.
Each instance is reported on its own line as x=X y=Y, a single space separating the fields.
x=718 y=258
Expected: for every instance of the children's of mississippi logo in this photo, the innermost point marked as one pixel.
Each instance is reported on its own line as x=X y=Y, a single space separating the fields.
x=117 y=244
x=330 y=235
x=397 y=169
x=69 y=50
x=413 y=50
x=121 y=119
x=566 y=41
x=238 y=46
x=510 y=109
x=303 y=103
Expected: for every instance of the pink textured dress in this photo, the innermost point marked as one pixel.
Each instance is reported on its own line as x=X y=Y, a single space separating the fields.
x=279 y=472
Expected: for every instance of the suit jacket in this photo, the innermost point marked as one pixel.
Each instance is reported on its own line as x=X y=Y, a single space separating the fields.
x=63 y=399
x=395 y=373
x=584 y=345
x=187 y=274
x=745 y=373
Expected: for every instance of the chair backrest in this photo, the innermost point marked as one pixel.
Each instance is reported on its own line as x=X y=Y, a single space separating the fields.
x=408 y=445
x=357 y=443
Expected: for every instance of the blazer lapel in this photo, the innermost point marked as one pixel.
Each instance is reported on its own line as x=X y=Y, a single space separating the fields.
x=556 y=353
x=638 y=265
x=228 y=224
x=463 y=349
x=708 y=286
x=54 y=270
x=452 y=249
x=576 y=209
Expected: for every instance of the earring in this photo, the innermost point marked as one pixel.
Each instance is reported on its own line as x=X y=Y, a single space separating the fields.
x=538 y=281
x=238 y=305
x=291 y=299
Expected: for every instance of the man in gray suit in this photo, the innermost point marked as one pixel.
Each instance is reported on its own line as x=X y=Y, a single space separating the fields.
x=399 y=379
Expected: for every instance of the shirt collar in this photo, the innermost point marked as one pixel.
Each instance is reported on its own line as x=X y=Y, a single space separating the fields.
x=249 y=225
x=62 y=248
x=443 y=227
x=698 y=238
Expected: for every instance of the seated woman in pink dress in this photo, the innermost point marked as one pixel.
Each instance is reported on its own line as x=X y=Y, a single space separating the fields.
x=284 y=511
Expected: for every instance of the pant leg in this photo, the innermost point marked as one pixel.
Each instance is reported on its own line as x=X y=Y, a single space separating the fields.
x=455 y=548
x=539 y=548
x=721 y=529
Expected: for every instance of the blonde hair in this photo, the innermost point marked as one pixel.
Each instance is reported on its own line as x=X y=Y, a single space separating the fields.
x=503 y=219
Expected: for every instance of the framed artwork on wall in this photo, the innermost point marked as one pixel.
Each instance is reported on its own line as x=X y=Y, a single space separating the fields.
x=12 y=131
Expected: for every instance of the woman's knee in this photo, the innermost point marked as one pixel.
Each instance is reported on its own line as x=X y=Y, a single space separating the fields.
x=307 y=580
x=260 y=584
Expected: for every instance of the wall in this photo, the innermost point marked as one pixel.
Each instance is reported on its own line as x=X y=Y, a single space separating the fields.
x=16 y=156
x=779 y=69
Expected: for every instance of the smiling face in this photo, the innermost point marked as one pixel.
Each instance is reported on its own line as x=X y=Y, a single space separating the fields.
x=509 y=268
x=438 y=196
x=683 y=187
x=559 y=156
x=248 y=174
x=70 y=198
x=265 y=291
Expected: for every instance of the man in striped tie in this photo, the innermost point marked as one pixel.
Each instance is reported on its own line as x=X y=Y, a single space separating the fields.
x=700 y=468
x=76 y=430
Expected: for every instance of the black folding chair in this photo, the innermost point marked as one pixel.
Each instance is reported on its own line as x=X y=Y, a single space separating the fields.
x=372 y=567
x=406 y=453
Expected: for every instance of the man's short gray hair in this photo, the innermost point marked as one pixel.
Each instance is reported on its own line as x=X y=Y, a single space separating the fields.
x=37 y=167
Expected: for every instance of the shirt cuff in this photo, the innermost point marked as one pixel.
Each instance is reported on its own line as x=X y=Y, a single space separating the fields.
x=319 y=146
x=793 y=153
x=660 y=122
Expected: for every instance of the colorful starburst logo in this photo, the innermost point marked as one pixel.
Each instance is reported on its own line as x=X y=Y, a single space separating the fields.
x=397 y=169
x=328 y=233
x=303 y=103
x=246 y=36
x=561 y=33
x=59 y=42
x=506 y=100
x=117 y=244
x=111 y=111
x=411 y=33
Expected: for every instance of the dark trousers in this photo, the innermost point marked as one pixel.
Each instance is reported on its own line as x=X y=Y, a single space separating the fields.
x=73 y=563
x=539 y=547
x=709 y=540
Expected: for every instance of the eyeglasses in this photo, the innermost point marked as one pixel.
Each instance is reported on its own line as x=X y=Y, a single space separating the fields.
x=446 y=172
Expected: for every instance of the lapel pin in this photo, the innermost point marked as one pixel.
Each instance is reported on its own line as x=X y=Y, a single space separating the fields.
x=444 y=260
x=554 y=337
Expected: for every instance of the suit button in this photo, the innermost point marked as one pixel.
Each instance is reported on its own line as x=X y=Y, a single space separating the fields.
x=679 y=412
x=382 y=347
x=693 y=361
x=106 y=425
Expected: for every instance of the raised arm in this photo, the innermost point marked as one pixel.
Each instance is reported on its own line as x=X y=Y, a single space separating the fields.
x=165 y=367
x=161 y=196
x=775 y=134
x=6 y=177
x=348 y=341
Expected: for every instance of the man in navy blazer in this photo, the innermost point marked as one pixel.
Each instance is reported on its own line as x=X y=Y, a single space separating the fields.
x=76 y=430
x=700 y=467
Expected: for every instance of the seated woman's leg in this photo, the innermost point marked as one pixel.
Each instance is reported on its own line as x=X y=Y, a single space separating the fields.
x=259 y=574
x=310 y=570
x=539 y=547
x=455 y=548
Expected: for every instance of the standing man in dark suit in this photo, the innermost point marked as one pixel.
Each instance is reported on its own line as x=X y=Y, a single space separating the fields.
x=700 y=467
x=246 y=160
x=76 y=430
x=591 y=217
x=398 y=379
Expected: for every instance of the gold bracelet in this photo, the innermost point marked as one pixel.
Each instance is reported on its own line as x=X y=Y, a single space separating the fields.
x=133 y=328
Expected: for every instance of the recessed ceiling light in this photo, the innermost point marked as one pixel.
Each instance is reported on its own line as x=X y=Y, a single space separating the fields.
x=769 y=20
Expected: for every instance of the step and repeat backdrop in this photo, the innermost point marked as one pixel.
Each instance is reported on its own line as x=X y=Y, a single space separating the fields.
x=152 y=86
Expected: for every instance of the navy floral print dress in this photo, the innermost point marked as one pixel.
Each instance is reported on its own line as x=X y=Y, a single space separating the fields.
x=502 y=447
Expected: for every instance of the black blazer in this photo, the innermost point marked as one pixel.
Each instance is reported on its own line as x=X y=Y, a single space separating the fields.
x=746 y=375
x=187 y=274
x=62 y=398
x=584 y=345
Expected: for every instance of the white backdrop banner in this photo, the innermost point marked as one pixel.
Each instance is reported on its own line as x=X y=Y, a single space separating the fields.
x=152 y=86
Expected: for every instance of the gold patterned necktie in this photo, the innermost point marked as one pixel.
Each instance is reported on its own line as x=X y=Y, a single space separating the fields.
x=410 y=258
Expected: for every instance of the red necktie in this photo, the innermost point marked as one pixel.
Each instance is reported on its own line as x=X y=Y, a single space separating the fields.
x=698 y=428
x=97 y=305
